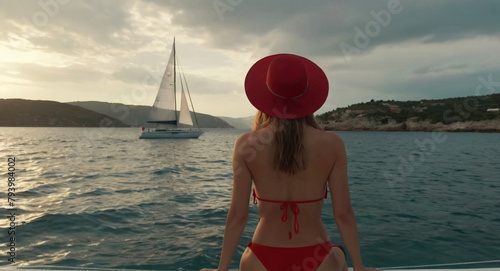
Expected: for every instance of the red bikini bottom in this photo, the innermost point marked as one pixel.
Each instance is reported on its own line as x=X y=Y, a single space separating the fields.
x=292 y=258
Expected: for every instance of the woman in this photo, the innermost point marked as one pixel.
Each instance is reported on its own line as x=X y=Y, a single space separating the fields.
x=291 y=162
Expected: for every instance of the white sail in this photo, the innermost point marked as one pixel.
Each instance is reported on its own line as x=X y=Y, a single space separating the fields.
x=184 y=115
x=163 y=109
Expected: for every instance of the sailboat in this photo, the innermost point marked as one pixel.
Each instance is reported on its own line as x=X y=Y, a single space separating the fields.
x=163 y=120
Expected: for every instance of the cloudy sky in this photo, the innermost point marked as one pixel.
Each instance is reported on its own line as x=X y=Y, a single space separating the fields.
x=116 y=50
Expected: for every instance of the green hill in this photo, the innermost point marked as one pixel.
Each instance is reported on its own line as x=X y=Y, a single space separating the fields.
x=473 y=113
x=239 y=123
x=30 y=113
x=137 y=115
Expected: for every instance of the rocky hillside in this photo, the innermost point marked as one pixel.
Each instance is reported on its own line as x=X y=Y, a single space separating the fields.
x=467 y=114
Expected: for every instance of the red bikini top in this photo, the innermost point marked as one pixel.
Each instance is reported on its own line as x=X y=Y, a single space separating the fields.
x=284 y=207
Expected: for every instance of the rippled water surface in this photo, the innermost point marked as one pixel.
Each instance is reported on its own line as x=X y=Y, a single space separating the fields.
x=90 y=197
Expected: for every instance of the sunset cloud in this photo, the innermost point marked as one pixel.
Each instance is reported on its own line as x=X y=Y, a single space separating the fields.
x=404 y=50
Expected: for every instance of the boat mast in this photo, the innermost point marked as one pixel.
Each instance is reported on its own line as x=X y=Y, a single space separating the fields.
x=175 y=94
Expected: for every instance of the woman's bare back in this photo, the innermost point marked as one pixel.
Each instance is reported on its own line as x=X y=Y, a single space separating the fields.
x=271 y=183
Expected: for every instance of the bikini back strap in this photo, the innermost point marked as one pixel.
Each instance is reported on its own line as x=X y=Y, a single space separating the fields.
x=288 y=204
x=255 y=198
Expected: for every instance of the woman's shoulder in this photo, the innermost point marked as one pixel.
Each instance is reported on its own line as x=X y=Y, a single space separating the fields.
x=260 y=136
x=334 y=138
x=328 y=138
x=245 y=137
x=251 y=138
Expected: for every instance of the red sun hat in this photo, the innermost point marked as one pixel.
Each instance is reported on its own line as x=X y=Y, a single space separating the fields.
x=286 y=86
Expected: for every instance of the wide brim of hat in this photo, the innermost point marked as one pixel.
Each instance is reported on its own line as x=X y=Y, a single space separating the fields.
x=264 y=100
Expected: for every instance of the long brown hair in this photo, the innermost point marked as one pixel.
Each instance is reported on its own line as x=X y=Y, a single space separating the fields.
x=288 y=134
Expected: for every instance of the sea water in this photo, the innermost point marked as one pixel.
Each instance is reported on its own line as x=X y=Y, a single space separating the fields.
x=102 y=198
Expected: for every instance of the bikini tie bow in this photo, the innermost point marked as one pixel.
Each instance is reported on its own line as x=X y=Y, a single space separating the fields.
x=295 y=211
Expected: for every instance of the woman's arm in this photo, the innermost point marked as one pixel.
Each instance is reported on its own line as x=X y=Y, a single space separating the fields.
x=238 y=210
x=342 y=208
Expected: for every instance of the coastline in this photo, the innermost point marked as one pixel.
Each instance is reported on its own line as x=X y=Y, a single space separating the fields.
x=483 y=126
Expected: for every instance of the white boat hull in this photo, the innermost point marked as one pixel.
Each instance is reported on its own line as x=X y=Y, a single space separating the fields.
x=175 y=133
